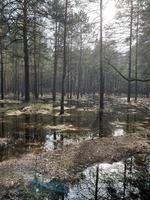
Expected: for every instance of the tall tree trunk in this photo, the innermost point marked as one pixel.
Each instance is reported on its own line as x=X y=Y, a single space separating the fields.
x=38 y=67
x=96 y=183
x=15 y=77
x=70 y=78
x=130 y=52
x=55 y=62
x=125 y=179
x=18 y=82
x=35 y=65
x=2 y=73
x=26 y=53
x=101 y=87
x=64 y=61
x=68 y=72
x=41 y=82
x=136 y=56
x=79 y=68
x=101 y=58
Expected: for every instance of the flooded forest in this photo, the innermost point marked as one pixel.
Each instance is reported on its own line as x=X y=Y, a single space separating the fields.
x=74 y=99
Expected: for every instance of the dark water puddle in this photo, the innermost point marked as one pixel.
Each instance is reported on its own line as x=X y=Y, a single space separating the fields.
x=9 y=104
x=27 y=133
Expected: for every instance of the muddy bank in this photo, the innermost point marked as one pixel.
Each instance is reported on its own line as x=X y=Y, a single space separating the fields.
x=65 y=163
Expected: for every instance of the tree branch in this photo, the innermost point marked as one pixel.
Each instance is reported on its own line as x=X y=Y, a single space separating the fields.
x=123 y=76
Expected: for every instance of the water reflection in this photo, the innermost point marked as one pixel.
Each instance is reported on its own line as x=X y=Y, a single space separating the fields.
x=26 y=133
x=131 y=122
x=129 y=179
x=21 y=136
x=2 y=132
x=118 y=132
x=54 y=141
x=2 y=105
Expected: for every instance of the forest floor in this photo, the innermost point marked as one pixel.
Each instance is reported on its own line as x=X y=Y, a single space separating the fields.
x=44 y=106
x=65 y=163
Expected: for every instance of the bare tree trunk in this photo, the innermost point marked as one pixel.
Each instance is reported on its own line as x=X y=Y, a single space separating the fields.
x=2 y=73
x=26 y=53
x=125 y=179
x=35 y=65
x=41 y=82
x=38 y=68
x=79 y=69
x=15 y=76
x=64 y=61
x=55 y=62
x=70 y=72
x=136 y=56
x=18 y=81
x=96 y=183
x=130 y=53
x=101 y=88
x=35 y=74
x=101 y=58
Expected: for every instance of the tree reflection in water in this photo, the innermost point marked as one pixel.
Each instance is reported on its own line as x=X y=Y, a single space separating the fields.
x=129 y=179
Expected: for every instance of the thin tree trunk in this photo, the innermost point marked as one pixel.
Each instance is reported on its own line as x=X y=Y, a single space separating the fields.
x=96 y=183
x=101 y=88
x=2 y=73
x=68 y=81
x=55 y=62
x=41 y=82
x=70 y=72
x=136 y=56
x=130 y=53
x=125 y=179
x=18 y=82
x=64 y=61
x=101 y=58
x=15 y=77
x=38 y=69
x=79 y=69
x=35 y=65
x=26 y=53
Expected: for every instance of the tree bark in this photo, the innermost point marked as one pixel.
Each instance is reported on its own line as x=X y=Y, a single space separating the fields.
x=96 y=183
x=2 y=73
x=130 y=52
x=101 y=58
x=35 y=65
x=64 y=61
x=55 y=62
x=26 y=53
x=79 y=68
x=136 y=56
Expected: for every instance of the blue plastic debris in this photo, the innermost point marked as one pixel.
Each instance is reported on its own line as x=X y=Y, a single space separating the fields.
x=58 y=187
x=54 y=186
